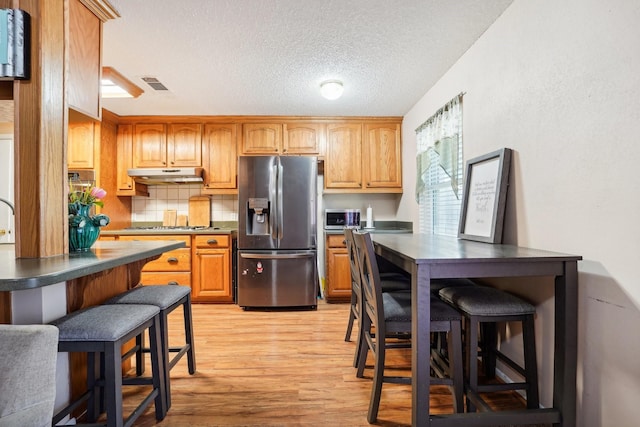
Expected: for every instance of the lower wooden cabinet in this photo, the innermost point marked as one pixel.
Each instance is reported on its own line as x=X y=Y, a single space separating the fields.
x=172 y=268
x=338 y=278
x=204 y=265
x=211 y=269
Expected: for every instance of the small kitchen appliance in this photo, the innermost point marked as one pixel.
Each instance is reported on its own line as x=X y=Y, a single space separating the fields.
x=337 y=219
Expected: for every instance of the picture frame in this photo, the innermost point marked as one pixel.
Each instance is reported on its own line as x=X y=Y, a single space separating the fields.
x=484 y=197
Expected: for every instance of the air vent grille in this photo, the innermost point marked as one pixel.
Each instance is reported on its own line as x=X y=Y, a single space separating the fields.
x=154 y=83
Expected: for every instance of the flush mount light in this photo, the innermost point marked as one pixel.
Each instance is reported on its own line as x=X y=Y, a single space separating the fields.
x=115 y=85
x=331 y=89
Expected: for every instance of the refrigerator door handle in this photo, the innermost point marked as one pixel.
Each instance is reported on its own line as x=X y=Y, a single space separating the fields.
x=280 y=210
x=271 y=256
x=273 y=198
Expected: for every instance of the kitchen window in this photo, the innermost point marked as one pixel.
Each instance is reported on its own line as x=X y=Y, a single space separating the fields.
x=439 y=170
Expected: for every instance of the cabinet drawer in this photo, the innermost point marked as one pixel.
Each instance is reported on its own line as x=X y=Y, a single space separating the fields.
x=175 y=260
x=156 y=278
x=179 y=237
x=213 y=241
x=336 y=241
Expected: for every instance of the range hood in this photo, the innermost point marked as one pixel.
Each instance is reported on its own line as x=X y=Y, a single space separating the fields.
x=152 y=176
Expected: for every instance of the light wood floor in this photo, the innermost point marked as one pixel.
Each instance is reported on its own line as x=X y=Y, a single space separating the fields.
x=280 y=368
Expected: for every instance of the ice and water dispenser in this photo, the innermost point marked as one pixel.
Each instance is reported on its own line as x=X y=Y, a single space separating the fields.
x=258 y=216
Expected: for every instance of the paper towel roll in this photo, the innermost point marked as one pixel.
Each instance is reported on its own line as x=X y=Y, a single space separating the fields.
x=369 y=217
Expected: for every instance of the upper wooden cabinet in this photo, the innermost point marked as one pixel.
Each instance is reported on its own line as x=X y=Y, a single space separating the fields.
x=282 y=138
x=382 y=155
x=85 y=32
x=219 y=158
x=184 y=142
x=81 y=143
x=261 y=138
x=363 y=157
x=158 y=145
x=149 y=145
x=126 y=186
x=343 y=163
x=85 y=48
x=303 y=138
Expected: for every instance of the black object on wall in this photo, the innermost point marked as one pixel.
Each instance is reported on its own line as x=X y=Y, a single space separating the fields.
x=15 y=46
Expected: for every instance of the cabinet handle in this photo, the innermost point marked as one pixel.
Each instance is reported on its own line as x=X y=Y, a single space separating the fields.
x=212 y=242
x=344 y=242
x=173 y=282
x=172 y=259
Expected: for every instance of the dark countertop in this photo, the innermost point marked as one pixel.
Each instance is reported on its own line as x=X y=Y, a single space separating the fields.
x=138 y=232
x=383 y=227
x=30 y=273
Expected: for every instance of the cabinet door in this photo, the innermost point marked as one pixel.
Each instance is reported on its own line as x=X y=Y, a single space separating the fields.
x=149 y=145
x=125 y=184
x=84 y=60
x=382 y=155
x=303 y=138
x=211 y=276
x=338 y=275
x=184 y=145
x=343 y=165
x=80 y=146
x=124 y=141
x=220 y=160
x=259 y=138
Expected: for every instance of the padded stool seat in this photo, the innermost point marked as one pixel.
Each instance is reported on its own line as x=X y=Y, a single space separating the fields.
x=485 y=306
x=104 y=329
x=167 y=298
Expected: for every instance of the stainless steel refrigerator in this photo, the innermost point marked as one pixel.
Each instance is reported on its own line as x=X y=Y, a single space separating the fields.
x=277 y=232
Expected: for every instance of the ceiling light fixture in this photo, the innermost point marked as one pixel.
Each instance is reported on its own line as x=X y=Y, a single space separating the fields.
x=115 y=85
x=331 y=89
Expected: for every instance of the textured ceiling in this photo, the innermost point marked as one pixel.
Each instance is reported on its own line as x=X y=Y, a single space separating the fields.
x=268 y=57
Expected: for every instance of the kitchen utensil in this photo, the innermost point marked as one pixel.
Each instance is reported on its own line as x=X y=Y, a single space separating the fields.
x=199 y=211
x=169 y=217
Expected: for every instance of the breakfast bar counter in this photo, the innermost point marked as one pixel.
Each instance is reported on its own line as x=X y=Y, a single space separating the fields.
x=429 y=257
x=29 y=273
x=39 y=290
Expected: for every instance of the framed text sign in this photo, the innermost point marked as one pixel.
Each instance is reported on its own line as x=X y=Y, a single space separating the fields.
x=484 y=197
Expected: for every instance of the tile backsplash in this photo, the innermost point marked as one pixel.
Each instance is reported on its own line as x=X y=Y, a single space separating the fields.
x=161 y=197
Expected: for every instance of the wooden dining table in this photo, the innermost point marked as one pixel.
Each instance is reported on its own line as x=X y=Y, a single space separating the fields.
x=428 y=257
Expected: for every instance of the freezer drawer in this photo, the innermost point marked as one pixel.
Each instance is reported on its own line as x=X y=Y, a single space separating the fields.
x=277 y=278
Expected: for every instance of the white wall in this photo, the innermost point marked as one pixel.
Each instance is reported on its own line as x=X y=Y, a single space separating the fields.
x=559 y=83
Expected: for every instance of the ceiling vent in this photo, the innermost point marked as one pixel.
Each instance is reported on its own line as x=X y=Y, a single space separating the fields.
x=154 y=83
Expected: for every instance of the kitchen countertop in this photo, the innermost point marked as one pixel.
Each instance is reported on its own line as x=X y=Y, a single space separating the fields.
x=173 y=231
x=382 y=227
x=29 y=273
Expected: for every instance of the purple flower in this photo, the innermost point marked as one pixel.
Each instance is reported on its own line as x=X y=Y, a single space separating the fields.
x=98 y=193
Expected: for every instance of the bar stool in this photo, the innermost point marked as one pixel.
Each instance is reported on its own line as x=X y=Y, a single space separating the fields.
x=167 y=298
x=390 y=282
x=485 y=305
x=103 y=330
x=388 y=315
